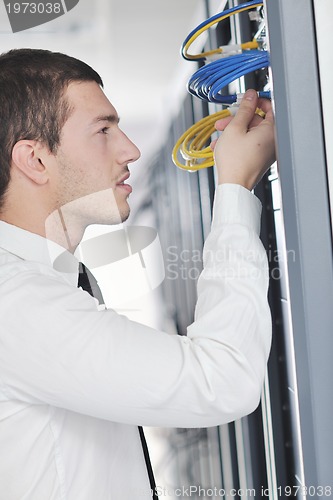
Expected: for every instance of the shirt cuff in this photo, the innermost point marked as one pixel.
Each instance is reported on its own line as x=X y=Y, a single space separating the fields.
x=234 y=204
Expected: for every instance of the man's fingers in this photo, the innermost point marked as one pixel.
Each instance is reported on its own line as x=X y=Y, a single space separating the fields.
x=246 y=110
x=221 y=124
x=246 y=117
x=269 y=116
x=256 y=120
x=264 y=104
x=213 y=144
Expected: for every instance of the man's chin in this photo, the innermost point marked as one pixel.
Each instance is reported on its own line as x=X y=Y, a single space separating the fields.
x=126 y=215
x=113 y=218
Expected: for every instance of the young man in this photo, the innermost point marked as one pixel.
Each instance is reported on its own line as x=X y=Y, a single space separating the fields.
x=76 y=381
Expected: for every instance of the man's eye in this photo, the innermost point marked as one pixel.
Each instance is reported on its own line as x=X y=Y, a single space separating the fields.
x=104 y=130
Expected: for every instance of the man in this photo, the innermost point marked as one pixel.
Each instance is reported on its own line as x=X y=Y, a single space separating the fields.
x=75 y=381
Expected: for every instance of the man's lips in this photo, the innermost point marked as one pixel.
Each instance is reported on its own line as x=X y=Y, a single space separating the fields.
x=121 y=184
x=124 y=178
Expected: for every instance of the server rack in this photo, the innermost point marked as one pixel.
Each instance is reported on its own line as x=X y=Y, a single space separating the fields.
x=307 y=226
x=283 y=449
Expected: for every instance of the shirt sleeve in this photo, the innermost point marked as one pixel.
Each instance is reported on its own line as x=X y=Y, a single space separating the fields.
x=58 y=349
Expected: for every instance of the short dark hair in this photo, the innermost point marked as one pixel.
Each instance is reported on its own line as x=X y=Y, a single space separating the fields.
x=32 y=102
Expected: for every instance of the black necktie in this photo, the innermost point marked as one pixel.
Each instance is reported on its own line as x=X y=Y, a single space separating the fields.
x=88 y=282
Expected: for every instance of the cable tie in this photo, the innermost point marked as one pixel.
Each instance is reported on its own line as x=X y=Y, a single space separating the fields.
x=231 y=50
x=226 y=51
x=254 y=15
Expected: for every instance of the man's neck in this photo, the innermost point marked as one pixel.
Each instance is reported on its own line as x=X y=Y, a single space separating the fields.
x=66 y=233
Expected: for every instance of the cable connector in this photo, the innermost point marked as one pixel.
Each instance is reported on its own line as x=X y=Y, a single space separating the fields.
x=231 y=50
x=238 y=99
x=235 y=105
x=256 y=16
x=233 y=108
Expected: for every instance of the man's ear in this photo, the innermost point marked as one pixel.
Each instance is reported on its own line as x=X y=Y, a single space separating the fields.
x=28 y=156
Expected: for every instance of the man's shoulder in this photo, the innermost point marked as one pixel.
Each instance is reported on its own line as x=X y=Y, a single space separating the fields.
x=14 y=268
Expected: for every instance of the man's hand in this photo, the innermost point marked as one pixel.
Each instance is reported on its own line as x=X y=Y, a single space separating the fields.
x=246 y=149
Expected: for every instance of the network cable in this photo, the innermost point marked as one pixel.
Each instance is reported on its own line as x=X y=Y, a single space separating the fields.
x=192 y=145
x=210 y=22
x=231 y=63
x=208 y=81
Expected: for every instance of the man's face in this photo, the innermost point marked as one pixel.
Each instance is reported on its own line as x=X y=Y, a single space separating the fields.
x=92 y=159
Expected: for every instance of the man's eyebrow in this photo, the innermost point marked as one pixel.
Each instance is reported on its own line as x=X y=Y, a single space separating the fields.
x=106 y=118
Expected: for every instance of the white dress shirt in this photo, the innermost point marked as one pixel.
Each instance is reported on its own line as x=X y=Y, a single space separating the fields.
x=76 y=381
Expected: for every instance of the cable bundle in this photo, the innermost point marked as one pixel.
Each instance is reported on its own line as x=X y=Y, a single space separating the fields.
x=210 y=22
x=192 y=145
x=228 y=64
x=208 y=81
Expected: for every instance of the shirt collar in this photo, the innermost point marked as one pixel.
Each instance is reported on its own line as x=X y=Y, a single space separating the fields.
x=32 y=247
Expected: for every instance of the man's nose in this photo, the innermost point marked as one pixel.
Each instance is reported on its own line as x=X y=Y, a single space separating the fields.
x=136 y=152
x=132 y=151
